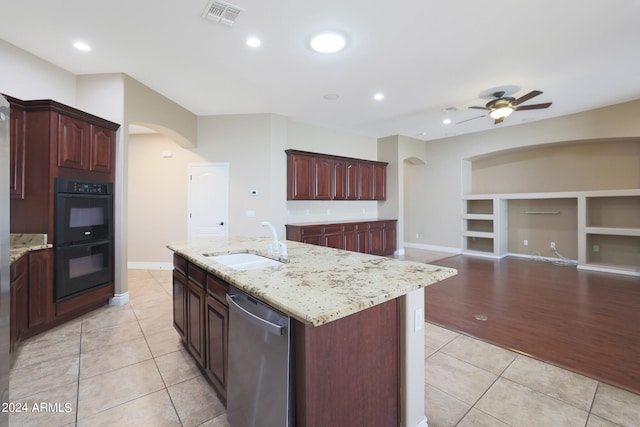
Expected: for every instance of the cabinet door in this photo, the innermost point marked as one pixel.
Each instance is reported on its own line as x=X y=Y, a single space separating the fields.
x=339 y=179
x=389 y=238
x=195 y=321
x=333 y=237
x=352 y=171
x=16 y=150
x=380 y=182
x=362 y=234
x=365 y=181
x=103 y=143
x=322 y=179
x=376 y=238
x=19 y=301
x=179 y=303
x=217 y=327
x=73 y=143
x=41 y=304
x=349 y=237
x=300 y=177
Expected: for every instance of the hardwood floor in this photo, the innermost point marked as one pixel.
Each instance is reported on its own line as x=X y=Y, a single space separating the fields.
x=586 y=322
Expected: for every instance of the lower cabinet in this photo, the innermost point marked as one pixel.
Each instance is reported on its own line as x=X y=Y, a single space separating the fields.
x=369 y=237
x=19 y=322
x=333 y=363
x=200 y=316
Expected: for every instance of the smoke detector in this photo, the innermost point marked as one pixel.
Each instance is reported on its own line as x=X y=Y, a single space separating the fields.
x=222 y=12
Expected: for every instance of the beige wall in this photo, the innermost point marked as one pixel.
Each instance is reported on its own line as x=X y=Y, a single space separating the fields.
x=438 y=206
x=157 y=194
x=602 y=165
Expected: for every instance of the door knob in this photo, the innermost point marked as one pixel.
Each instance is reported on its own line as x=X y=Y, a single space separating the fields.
x=221 y=223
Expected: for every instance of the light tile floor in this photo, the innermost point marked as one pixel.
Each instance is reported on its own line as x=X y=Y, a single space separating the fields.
x=469 y=383
x=125 y=366
x=117 y=366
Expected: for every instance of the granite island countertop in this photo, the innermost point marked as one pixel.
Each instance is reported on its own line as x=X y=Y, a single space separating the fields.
x=315 y=285
x=22 y=243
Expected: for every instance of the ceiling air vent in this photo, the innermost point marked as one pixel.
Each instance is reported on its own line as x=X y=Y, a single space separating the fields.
x=222 y=12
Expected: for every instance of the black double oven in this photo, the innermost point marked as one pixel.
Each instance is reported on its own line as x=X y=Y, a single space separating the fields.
x=83 y=243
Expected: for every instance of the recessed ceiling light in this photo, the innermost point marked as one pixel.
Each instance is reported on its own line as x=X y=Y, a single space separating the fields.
x=328 y=43
x=446 y=121
x=82 y=46
x=253 y=42
x=378 y=96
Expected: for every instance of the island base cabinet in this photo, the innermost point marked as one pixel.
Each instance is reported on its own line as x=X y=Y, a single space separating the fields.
x=348 y=371
x=217 y=319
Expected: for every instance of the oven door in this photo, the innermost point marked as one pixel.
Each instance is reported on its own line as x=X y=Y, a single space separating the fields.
x=82 y=267
x=83 y=217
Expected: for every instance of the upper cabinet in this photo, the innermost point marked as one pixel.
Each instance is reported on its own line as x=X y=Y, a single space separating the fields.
x=16 y=148
x=314 y=176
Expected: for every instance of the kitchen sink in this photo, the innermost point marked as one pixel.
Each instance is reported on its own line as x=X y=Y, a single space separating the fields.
x=244 y=261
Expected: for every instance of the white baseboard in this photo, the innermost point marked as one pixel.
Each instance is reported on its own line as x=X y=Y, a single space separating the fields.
x=135 y=265
x=119 y=299
x=423 y=423
x=447 y=249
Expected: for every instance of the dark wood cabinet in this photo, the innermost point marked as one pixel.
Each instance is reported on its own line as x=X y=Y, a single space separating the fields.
x=59 y=141
x=19 y=317
x=41 y=300
x=379 y=182
x=300 y=177
x=371 y=237
x=200 y=316
x=217 y=326
x=334 y=363
x=314 y=176
x=180 y=303
x=365 y=182
x=73 y=143
x=17 y=146
x=195 y=313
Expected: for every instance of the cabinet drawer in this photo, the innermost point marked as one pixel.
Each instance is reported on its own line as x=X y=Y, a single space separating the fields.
x=197 y=275
x=180 y=264
x=218 y=289
x=311 y=231
x=332 y=229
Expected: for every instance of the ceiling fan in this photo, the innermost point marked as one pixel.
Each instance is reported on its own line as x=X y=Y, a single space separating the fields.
x=502 y=106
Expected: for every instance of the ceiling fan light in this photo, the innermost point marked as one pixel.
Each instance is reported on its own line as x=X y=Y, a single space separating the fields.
x=501 y=113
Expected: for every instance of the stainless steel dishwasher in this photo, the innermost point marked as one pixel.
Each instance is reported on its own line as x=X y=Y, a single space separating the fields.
x=258 y=391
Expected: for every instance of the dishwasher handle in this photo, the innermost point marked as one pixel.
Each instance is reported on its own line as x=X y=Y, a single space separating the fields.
x=271 y=327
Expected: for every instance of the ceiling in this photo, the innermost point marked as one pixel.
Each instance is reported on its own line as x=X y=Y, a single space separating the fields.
x=425 y=56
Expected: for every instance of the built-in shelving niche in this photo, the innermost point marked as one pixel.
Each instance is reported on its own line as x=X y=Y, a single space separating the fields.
x=599 y=229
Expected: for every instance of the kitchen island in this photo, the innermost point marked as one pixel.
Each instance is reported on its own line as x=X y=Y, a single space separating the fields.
x=356 y=324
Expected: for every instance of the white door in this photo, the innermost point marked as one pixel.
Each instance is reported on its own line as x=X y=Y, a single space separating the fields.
x=208 y=199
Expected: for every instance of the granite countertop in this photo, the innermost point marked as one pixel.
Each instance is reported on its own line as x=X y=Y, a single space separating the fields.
x=22 y=243
x=316 y=285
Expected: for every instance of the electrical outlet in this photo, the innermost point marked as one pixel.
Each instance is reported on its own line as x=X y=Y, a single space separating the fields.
x=553 y=245
x=417 y=236
x=526 y=242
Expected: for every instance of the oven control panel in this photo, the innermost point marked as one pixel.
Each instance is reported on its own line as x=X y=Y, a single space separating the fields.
x=65 y=185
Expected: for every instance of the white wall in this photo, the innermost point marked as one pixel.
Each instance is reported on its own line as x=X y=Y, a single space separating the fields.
x=25 y=76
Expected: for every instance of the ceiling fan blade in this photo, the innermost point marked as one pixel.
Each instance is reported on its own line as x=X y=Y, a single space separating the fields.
x=526 y=97
x=499 y=120
x=472 y=118
x=479 y=108
x=533 y=106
